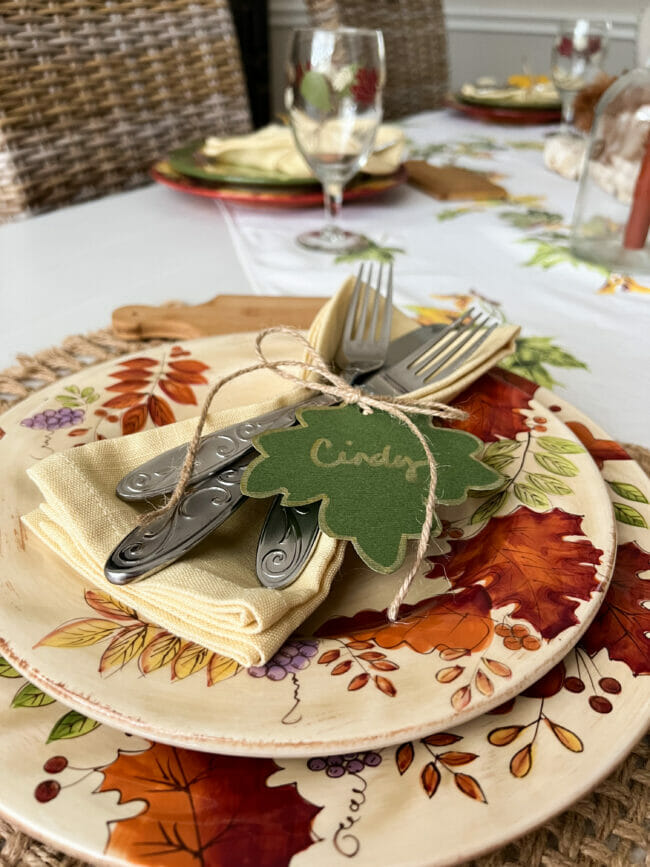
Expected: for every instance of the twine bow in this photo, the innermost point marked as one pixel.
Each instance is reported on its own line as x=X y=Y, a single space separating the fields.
x=334 y=385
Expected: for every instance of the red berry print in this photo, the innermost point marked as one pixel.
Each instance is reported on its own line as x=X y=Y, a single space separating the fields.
x=600 y=704
x=609 y=685
x=47 y=791
x=55 y=765
x=574 y=684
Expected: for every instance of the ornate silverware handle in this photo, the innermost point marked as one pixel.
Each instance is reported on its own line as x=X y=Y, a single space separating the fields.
x=216 y=451
x=201 y=510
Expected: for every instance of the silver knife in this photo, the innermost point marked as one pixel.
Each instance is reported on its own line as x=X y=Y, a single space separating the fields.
x=203 y=508
x=218 y=450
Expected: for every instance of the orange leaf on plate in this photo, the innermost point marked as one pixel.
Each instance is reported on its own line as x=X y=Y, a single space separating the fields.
x=430 y=777
x=404 y=757
x=160 y=411
x=468 y=786
x=134 y=419
x=178 y=391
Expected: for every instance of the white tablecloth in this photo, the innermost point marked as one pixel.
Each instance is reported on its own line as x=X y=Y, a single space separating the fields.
x=64 y=272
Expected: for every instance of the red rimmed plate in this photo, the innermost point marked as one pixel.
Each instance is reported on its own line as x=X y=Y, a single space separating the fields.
x=366 y=187
x=503 y=114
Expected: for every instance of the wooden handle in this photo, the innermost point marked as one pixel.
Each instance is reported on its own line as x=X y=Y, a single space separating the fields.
x=225 y=314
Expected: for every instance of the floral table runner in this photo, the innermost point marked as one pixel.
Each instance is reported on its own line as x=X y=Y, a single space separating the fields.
x=585 y=329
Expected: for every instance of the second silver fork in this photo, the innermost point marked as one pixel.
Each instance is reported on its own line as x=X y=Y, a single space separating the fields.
x=288 y=536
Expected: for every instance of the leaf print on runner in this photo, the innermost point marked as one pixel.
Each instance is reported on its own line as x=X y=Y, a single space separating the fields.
x=372 y=251
x=197 y=807
x=531 y=356
x=623 y=621
x=526 y=559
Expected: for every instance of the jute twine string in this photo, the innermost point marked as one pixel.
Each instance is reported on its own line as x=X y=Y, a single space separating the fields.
x=608 y=828
x=334 y=385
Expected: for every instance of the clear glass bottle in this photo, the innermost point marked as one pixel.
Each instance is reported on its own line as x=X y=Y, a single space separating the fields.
x=611 y=221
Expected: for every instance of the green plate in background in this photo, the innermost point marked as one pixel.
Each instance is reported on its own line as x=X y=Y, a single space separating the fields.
x=189 y=161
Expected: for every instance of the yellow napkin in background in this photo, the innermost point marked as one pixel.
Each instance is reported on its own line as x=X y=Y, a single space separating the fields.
x=211 y=596
x=273 y=149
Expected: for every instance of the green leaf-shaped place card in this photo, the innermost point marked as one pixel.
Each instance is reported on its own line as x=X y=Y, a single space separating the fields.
x=371 y=473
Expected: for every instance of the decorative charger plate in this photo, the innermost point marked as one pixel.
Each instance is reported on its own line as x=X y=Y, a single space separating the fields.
x=501 y=775
x=504 y=114
x=361 y=187
x=528 y=566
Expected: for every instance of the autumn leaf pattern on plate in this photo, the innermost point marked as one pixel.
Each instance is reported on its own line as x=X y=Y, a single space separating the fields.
x=139 y=381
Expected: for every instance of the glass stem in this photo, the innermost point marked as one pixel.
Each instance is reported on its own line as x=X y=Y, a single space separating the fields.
x=333 y=201
x=568 y=103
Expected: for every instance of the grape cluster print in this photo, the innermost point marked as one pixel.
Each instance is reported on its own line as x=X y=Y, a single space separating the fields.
x=54 y=419
x=292 y=657
x=350 y=763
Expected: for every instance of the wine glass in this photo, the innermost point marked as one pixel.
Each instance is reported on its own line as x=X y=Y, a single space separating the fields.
x=577 y=57
x=333 y=96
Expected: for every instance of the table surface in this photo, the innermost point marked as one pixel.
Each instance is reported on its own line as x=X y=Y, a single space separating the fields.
x=63 y=273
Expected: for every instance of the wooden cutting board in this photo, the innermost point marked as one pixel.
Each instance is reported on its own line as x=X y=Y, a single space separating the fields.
x=225 y=314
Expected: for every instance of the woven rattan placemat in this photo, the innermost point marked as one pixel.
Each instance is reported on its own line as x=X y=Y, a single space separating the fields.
x=609 y=828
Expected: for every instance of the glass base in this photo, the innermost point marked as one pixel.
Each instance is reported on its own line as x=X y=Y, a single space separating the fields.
x=332 y=240
x=611 y=254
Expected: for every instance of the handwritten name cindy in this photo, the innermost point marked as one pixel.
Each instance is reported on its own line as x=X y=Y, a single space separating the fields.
x=322 y=455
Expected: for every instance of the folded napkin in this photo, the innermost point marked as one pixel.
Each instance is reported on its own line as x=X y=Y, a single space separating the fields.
x=211 y=596
x=273 y=149
x=452 y=182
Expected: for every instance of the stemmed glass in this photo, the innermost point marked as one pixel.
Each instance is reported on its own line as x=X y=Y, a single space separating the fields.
x=577 y=57
x=333 y=96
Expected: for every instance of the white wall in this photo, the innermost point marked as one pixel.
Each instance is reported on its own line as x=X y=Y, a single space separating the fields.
x=488 y=37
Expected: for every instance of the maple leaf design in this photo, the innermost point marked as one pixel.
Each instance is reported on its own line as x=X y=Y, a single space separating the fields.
x=622 y=622
x=454 y=620
x=526 y=559
x=200 y=809
x=493 y=406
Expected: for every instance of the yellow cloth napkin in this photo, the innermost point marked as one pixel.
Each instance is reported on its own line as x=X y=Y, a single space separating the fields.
x=212 y=595
x=273 y=149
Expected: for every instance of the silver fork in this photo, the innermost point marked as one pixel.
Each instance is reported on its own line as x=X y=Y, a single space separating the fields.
x=210 y=502
x=441 y=356
x=289 y=535
x=220 y=449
